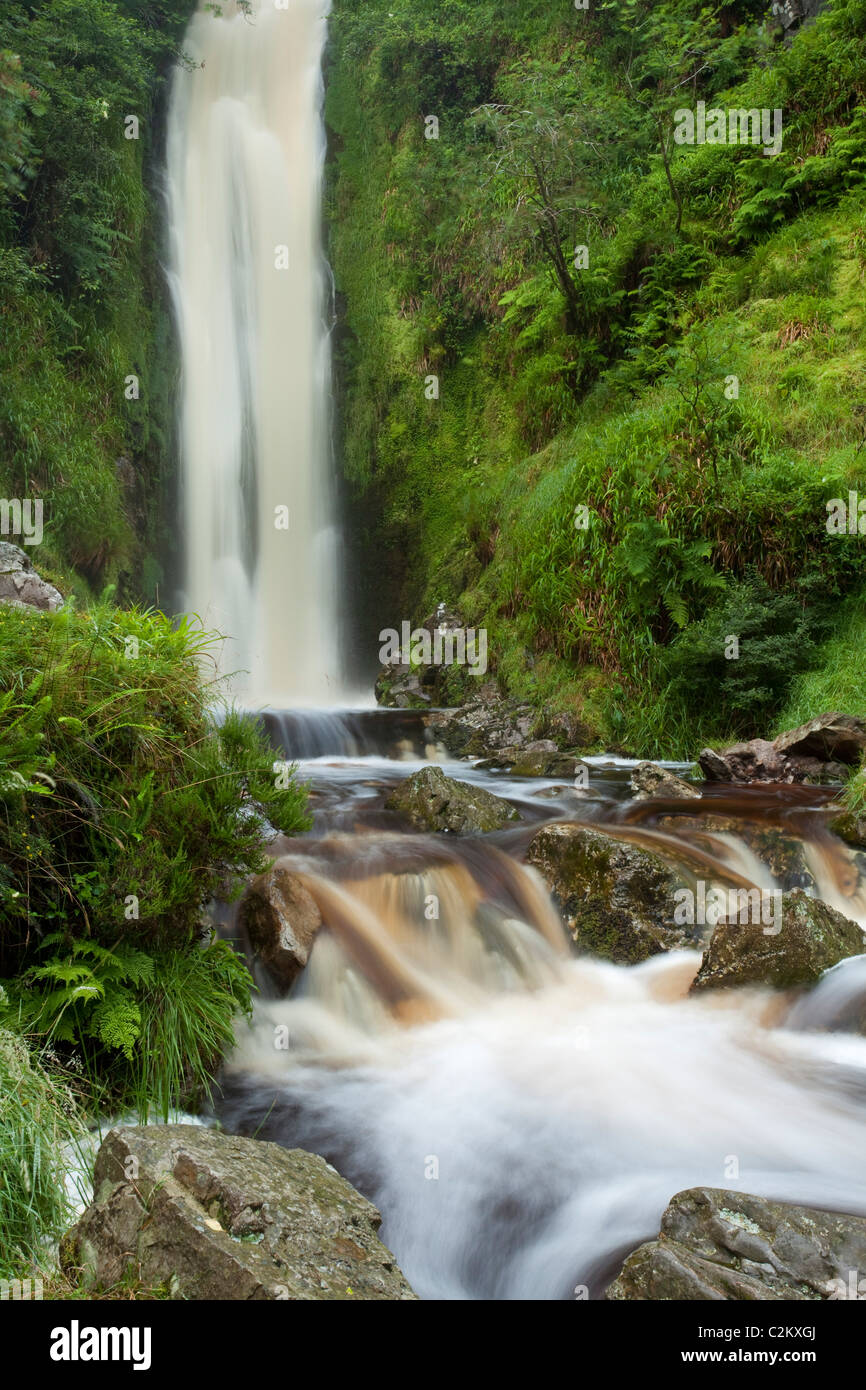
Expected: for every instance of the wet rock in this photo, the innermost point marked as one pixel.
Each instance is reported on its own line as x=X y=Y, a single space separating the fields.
x=281 y=920
x=783 y=854
x=214 y=1216
x=755 y=761
x=443 y=682
x=431 y=801
x=850 y=826
x=535 y=763
x=834 y=737
x=400 y=687
x=485 y=728
x=716 y=1245
x=618 y=901
x=820 y=751
x=648 y=779
x=713 y=766
x=20 y=585
x=792 y=949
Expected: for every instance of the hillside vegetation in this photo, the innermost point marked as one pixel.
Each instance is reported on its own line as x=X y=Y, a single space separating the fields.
x=633 y=448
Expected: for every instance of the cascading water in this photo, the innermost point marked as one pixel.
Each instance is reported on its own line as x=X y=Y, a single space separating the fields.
x=521 y=1117
x=244 y=170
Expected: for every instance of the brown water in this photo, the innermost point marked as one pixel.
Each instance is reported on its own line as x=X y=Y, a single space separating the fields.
x=522 y=1116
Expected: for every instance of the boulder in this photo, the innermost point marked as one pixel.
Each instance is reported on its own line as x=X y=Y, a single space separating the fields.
x=794 y=949
x=281 y=920
x=850 y=826
x=486 y=728
x=536 y=762
x=617 y=900
x=213 y=1216
x=648 y=779
x=20 y=585
x=834 y=737
x=822 y=750
x=431 y=801
x=716 y=1245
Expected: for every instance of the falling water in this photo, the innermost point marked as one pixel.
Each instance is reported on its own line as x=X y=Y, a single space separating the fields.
x=244 y=171
x=520 y=1116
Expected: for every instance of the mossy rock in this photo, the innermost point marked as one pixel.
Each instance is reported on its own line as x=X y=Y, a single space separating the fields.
x=431 y=801
x=810 y=937
x=618 y=901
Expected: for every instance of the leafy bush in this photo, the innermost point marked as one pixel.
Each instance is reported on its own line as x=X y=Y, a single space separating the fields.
x=775 y=639
x=151 y=1029
x=124 y=808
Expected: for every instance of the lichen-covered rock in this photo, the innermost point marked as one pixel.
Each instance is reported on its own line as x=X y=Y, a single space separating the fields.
x=281 y=920
x=20 y=585
x=617 y=900
x=808 y=937
x=431 y=801
x=214 y=1216
x=487 y=727
x=543 y=762
x=716 y=1245
x=648 y=779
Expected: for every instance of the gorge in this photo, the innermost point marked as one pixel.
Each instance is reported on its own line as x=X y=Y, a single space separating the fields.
x=461 y=787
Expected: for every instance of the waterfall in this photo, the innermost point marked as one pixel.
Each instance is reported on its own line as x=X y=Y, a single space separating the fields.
x=245 y=156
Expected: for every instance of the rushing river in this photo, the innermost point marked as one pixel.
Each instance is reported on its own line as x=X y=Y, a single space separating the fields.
x=522 y=1116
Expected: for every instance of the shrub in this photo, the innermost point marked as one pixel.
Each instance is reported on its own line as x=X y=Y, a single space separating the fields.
x=151 y=1029
x=776 y=640
x=125 y=809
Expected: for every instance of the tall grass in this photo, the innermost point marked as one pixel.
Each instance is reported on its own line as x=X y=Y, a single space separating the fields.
x=39 y=1130
x=838 y=681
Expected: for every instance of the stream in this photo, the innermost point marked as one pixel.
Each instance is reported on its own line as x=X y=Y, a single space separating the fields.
x=520 y=1115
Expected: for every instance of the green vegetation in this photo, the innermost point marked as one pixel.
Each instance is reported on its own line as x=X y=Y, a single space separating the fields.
x=124 y=812
x=608 y=386
x=124 y=809
x=82 y=301
x=39 y=1123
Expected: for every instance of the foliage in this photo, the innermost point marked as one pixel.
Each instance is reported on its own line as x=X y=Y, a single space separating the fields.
x=82 y=304
x=694 y=386
x=152 y=1029
x=39 y=1125
x=123 y=809
x=740 y=688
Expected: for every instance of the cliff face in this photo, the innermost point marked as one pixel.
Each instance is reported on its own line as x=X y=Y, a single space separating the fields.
x=598 y=386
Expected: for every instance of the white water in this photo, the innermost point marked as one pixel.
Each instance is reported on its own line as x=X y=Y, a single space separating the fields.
x=562 y=1121
x=522 y=1118
x=244 y=164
